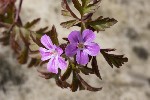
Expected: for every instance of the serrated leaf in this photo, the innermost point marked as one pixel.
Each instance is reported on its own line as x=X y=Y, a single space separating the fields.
x=32 y=23
x=42 y=30
x=45 y=74
x=66 y=7
x=112 y=59
x=35 y=42
x=95 y=67
x=91 y=8
x=86 y=85
x=53 y=35
x=32 y=62
x=23 y=57
x=69 y=23
x=85 y=2
x=77 y=5
x=66 y=13
x=85 y=70
x=101 y=23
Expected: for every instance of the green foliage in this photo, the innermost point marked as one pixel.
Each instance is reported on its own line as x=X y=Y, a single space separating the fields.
x=100 y=24
x=26 y=42
x=86 y=10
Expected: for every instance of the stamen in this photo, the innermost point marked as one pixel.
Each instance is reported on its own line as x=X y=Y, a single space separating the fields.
x=81 y=46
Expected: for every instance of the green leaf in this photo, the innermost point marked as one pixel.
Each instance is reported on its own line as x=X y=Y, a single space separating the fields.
x=75 y=82
x=66 y=13
x=66 y=7
x=95 y=67
x=101 y=23
x=85 y=2
x=77 y=5
x=91 y=8
x=67 y=73
x=69 y=23
x=32 y=23
x=112 y=59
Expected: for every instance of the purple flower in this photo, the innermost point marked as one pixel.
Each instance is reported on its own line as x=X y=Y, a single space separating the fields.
x=53 y=54
x=82 y=45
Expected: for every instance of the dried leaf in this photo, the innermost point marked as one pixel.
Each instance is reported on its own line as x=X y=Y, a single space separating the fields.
x=23 y=57
x=32 y=62
x=112 y=59
x=53 y=35
x=45 y=74
x=86 y=70
x=95 y=67
x=86 y=85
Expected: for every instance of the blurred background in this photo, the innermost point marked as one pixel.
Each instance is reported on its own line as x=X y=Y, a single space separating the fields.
x=130 y=36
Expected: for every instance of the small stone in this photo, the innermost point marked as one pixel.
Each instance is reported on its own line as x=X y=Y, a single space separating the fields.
x=132 y=34
x=148 y=26
x=141 y=52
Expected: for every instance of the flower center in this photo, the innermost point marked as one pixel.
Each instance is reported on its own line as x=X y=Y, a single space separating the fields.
x=54 y=53
x=81 y=46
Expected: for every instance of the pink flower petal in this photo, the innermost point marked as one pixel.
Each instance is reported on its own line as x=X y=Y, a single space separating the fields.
x=52 y=66
x=59 y=50
x=45 y=54
x=82 y=57
x=62 y=63
x=46 y=41
x=92 y=49
x=71 y=50
x=88 y=35
x=75 y=37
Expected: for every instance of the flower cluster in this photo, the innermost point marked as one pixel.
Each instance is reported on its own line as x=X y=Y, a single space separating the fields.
x=36 y=47
x=81 y=45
